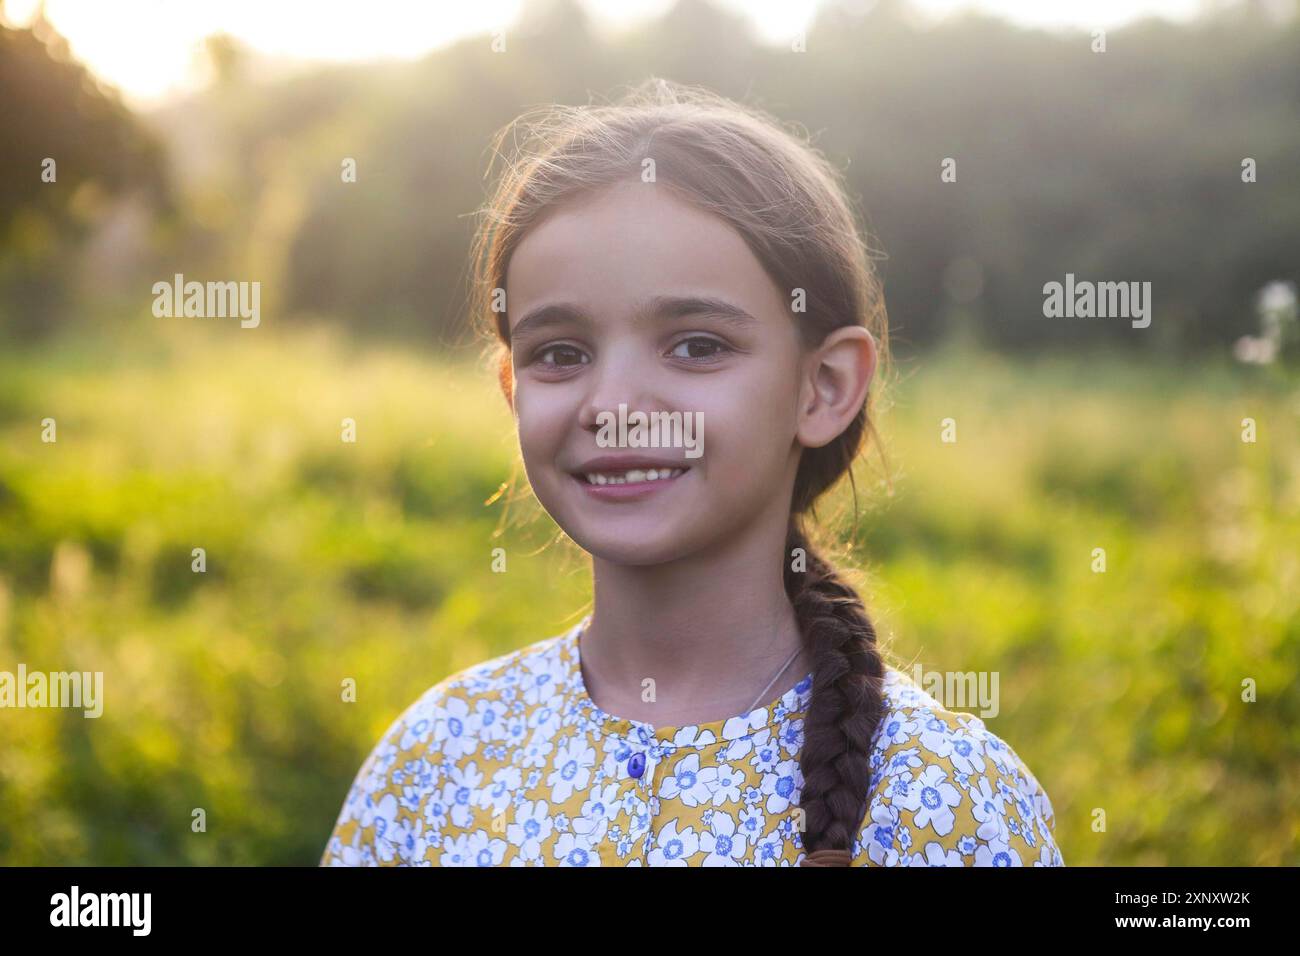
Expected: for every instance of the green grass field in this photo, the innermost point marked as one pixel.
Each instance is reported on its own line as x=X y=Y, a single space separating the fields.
x=371 y=560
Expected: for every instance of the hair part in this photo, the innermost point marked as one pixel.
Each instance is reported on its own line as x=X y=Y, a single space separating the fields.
x=789 y=205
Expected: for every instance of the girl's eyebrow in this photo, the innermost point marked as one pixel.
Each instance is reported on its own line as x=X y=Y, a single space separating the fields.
x=659 y=307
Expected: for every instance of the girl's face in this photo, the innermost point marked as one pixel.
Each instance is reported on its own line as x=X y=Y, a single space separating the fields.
x=601 y=308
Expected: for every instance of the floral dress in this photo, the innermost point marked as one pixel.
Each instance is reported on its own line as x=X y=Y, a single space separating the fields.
x=511 y=763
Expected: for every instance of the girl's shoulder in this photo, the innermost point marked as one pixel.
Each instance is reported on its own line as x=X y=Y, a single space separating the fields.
x=947 y=791
x=447 y=722
x=483 y=696
x=525 y=674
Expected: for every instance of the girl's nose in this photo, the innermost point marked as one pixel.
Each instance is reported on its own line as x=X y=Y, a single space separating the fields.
x=613 y=386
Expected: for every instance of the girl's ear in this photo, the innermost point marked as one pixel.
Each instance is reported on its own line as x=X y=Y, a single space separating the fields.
x=837 y=377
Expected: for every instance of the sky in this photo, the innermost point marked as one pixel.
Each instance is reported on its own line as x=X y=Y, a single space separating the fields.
x=146 y=48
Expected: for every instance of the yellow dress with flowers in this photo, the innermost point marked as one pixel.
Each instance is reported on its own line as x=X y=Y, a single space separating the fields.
x=511 y=763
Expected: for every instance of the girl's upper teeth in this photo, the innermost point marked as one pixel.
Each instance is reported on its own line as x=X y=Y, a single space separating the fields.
x=632 y=475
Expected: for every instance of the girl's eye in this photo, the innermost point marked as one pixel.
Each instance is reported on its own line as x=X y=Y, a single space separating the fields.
x=564 y=353
x=700 y=347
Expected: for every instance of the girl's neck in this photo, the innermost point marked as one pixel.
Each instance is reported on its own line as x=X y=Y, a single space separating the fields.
x=711 y=631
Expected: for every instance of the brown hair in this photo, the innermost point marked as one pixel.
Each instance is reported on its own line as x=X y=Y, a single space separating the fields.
x=788 y=204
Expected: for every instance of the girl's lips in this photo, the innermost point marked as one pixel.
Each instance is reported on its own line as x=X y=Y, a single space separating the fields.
x=629 y=490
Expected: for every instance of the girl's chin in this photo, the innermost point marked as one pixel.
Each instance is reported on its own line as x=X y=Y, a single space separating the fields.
x=631 y=543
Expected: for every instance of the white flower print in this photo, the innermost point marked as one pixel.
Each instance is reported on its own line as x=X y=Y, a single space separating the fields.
x=966 y=752
x=936 y=855
x=458 y=793
x=781 y=786
x=598 y=810
x=537 y=752
x=988 y=811
x=738 y=727
x=505 y=784
x=572 y=849
x=435 y=811
x=673 y=848
x=408 y=835
x=742 y=747
x=790 y=737
x=490 y=719
x=692 y=736
x=411 y=797
x=880 y=835
x=1000 y=754
x=547 y=718
x=896 y=729
x=531 y=827
x=485 y=849
x=997 y=852
x=723 y=843
x=903 y=761
x=767 y=753
x=931 y=798
x=415 y=733
x=456 y=851
x=726 y=787
x=573 y=763
x=542 y=684
x=381 y=815
x=936 y=736
x=456 y=728
x=770 y=849
x=688 y=783
x=752 y=823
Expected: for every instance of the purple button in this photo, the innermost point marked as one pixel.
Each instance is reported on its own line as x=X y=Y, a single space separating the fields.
x=636 y=766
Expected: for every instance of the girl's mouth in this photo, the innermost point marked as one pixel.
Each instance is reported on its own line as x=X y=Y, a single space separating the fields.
x=630 y=476
x=627 y=483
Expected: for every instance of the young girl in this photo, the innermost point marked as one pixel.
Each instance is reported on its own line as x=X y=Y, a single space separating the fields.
x=725 y=703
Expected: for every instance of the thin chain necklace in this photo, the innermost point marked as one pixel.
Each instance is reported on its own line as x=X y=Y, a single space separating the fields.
x=759 y=699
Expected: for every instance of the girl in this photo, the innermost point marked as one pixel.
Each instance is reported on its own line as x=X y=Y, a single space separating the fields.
x=725 y=703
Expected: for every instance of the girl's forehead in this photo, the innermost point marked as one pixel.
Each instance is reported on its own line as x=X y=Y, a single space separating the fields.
x=630 y=243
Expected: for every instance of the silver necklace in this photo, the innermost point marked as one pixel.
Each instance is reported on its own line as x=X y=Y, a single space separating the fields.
x=759 y=699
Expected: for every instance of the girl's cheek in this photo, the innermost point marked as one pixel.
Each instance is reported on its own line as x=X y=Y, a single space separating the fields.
x=540 y=429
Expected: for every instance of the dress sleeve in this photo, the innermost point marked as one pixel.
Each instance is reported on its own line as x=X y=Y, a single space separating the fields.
x=947 y=791
x=378 y=824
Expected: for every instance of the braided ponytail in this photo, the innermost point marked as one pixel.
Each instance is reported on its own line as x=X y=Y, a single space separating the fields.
x=847 y=704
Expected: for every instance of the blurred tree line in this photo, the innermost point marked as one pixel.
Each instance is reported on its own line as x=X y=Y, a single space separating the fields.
x=1123 y=165
x=69 y=149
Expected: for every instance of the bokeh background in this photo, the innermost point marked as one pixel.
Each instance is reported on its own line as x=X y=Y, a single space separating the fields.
x=372 y=560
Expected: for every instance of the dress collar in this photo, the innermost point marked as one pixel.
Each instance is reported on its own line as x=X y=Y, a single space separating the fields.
x=793 y=703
